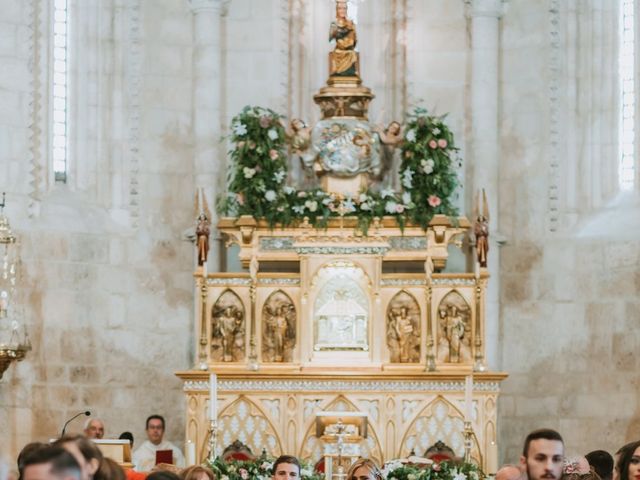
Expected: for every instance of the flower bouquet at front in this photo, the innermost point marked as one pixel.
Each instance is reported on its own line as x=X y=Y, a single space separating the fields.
x=437 y=471
x=258 y=469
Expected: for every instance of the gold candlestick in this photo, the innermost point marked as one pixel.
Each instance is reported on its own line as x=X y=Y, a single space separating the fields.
x=213 y=440
x=468 y=441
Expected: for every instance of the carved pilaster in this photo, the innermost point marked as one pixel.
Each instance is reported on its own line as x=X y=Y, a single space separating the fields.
x=204 y=341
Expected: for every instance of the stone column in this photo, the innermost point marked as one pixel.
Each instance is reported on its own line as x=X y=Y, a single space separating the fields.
x=485 y=33
x=208 y=164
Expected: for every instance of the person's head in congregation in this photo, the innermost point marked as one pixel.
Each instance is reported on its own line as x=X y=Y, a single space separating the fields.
x=94 y=428
x=602 y=463
x=86 y=453
x=50 y=463
x=27 y=450
x=509 y=472
x=364 y=469
x=286 y=467
x=155 y=428
x=110 y=470
x=543 y=455
x=628 y=465
x=127 y=436
x=197 y=472
x=162 y=475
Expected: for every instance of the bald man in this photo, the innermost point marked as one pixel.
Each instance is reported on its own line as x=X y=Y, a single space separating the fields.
x=94 y=428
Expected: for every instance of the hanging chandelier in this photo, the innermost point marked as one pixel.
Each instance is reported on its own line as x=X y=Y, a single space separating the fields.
x=14 y=343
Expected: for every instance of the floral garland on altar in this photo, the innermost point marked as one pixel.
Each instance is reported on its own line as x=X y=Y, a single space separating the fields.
x=396 y=470
x=261 y=469
x=257 y=177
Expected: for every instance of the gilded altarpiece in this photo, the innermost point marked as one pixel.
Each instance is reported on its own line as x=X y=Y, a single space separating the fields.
x=350 y=323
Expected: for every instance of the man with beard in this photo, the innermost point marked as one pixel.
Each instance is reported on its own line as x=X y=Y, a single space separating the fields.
x=543 y=455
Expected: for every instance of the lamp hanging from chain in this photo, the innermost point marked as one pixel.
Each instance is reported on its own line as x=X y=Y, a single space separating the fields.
x=14 y=341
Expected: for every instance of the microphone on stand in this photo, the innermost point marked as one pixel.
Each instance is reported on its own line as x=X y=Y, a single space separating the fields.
x=64 y=429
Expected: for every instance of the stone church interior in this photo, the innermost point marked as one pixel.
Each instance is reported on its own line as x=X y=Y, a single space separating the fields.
x=319 y=239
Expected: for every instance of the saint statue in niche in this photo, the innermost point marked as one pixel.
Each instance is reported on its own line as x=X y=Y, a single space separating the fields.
x=279 y=328
x=343 y=61
x=454 y=343
x=403 y=329
x=228 y=328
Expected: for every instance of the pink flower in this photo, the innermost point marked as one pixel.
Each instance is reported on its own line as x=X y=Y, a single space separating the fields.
x=240 y=144
x=244 y=474
x=442 y=143
x=240 y=198
x=252 y=145
x=399 y=208
x=273 y=154
x=302 y=194
x=433 y=144
x=436 y=467
x=434 y=200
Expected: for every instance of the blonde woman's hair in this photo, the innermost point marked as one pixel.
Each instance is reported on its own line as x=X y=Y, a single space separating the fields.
x=368 y=464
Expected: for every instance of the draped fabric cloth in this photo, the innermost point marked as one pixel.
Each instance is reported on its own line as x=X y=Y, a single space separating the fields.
x=144 y=457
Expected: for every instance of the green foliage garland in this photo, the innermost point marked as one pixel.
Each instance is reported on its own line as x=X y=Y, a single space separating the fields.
x=259 y=173
x=258 y=469
x=437 y=471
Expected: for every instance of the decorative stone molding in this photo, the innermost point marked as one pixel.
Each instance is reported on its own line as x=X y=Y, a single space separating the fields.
x=134 y=81
x=555 y=67
x=37 y=121
x=394 y=282
x=280 y=244
x=313 y=385
x=217 y=6
x=228 y=281
x=486 y=8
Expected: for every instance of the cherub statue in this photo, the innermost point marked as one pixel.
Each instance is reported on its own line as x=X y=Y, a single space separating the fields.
x=481 y=229
x=203 y=227
x=299 y=135
x=391 y=138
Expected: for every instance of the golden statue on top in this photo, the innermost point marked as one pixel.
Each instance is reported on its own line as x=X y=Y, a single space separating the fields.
x=343 y=61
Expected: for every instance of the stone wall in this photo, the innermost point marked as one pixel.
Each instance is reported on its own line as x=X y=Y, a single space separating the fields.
x=570 y=283
x=105 y=261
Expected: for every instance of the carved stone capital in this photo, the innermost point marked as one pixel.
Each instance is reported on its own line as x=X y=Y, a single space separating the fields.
x=486 y=8
x=216 y=6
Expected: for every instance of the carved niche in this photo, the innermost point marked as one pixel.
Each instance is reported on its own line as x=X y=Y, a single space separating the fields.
x=278 y=328
x=454 y=329
x=403 y=329
x=228 y=322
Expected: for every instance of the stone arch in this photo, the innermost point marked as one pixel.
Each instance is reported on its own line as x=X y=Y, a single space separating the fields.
x=438 y=420
x=311 y=446
x=246 y=421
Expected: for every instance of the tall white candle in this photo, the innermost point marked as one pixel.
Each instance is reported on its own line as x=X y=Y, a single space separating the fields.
x=190 y=453
x=492 y=458
x=468 y=398
x=213 y=397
